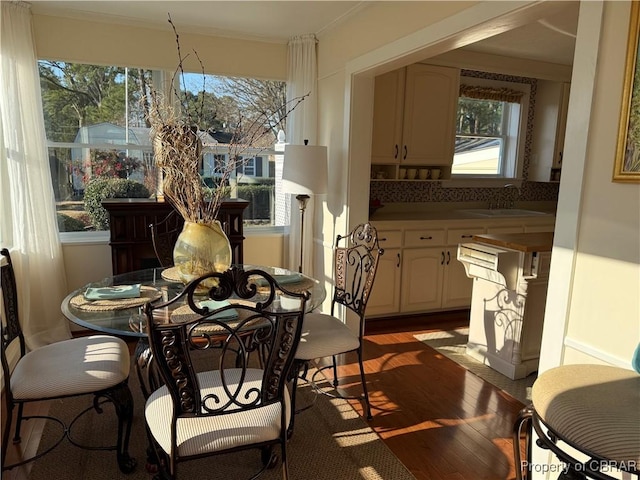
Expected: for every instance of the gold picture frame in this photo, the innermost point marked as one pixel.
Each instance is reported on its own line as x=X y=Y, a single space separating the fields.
x=627 y=164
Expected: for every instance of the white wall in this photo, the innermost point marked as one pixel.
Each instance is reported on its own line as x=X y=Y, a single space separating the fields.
x=603 y=323
x=78 y=40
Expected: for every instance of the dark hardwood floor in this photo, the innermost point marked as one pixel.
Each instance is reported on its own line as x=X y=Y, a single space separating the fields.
x=443 y=422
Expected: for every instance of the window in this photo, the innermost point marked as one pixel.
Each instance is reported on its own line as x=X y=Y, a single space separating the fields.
x=100 y=144
x=490 y=122
x=249 y=167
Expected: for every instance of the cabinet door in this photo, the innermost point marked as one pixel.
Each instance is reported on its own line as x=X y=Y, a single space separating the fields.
x=421 y=279
x=457 y=287
x=388 y=102
x=550 y=121
x=385 y=295
x=431 y=102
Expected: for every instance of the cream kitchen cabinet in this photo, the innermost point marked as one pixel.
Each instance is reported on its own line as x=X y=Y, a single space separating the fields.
x=432 y=278
x=550 y=122
x=419 y=271
x=388 y=105
x=430 y=106
x=421 y=282
x=457 y=287
x=385 y=295
x=414 y=117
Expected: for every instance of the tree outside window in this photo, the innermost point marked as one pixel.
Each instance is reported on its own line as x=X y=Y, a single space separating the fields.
x=96 y=107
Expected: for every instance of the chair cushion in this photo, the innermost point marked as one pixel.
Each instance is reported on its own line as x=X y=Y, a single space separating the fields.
x=323 y=336
x=206 y=434
x=71 y=367
x=596 y=407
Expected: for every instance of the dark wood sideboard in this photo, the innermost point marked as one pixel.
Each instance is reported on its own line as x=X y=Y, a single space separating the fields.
x=130 y=241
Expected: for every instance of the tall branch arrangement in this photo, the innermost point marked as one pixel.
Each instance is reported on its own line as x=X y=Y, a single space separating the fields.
x=178 y=148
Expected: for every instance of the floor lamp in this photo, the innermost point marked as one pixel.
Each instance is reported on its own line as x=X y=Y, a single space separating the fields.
x=304 y=173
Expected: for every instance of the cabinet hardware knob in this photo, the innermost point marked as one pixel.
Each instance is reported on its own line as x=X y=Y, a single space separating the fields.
x=395 y=155
x=466 y=236
x=448 y=257
x=442 y=259
x=405 y=153
x=398 y=265
x=426 y=238
x=383 y=239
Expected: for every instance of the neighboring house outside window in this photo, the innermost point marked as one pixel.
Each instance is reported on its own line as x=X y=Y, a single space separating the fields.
x=94 y=134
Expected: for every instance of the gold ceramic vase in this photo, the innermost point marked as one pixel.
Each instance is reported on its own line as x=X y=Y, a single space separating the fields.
x=201 y=248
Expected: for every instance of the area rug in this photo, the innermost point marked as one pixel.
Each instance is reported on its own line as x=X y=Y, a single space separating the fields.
x=330 y=441
x=452 y=344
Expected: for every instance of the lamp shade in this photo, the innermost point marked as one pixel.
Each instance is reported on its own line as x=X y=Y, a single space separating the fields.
x=305 y=169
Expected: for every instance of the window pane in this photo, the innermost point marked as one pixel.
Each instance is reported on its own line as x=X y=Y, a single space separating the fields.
x=102 y=110
x=479 y=117
x=479 y=141
x=477 y=156
x=95 y=107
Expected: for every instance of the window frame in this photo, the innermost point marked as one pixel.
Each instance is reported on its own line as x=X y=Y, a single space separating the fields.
x=515 y=130
x=162 y=81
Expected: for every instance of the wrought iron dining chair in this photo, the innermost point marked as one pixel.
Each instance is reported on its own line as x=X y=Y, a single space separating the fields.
x=355 y=264
x=588 y=416
x=95 y=365
x=216 y=397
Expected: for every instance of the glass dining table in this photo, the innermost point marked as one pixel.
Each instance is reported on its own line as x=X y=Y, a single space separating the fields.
x=125 y=317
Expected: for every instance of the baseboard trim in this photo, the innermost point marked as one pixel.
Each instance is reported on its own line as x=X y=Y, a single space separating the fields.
x=597 y=353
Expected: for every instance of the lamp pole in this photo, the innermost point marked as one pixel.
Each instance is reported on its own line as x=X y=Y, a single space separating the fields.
x=302 y=204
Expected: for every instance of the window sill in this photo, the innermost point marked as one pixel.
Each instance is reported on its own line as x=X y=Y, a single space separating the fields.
x=102 y=238
x=250 y=231
x=84 y=238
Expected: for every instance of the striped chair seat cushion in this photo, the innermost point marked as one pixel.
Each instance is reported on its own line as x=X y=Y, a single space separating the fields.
x=213 y=433
x=595 y=407
x=323 y=336
x=71 y=367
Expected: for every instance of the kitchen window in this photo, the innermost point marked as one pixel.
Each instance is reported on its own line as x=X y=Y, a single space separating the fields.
x=490 y=123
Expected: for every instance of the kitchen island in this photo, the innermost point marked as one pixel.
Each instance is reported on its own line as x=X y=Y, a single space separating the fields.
x=510 y=276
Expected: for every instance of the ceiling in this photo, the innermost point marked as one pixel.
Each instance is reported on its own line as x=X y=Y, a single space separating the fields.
x=266 y=20
x=551 y=40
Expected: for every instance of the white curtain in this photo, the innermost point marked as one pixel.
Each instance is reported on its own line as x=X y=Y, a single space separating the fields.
x=302 y=123
x=28 y=226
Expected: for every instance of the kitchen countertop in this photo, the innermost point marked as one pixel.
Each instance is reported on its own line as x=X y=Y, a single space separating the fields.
x=450 y=211
x=523 y=242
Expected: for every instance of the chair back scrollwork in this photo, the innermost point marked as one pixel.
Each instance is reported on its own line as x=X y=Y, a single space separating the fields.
x=356 y=258
x=236 y=326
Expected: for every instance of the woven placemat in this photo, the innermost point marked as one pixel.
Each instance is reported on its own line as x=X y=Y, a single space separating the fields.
x=147 y=294
x=184 y=314
x=171 y=274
